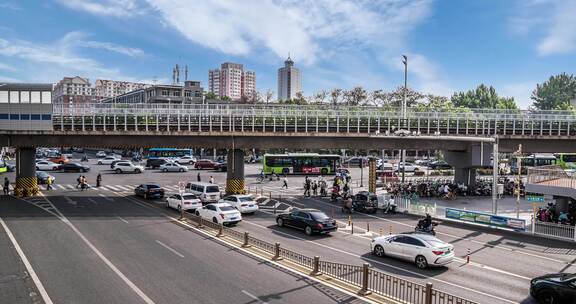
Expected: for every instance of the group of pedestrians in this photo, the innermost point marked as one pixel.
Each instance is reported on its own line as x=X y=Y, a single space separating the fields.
x=199 y=178
x=551 y=215
x=311 y=187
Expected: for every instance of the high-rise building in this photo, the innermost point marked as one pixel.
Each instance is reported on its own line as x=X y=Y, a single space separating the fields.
x=232 y=81
x=289 y=80
x=111 y=88
x=73 y=91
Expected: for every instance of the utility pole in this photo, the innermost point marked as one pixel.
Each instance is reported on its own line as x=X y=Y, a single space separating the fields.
x=519 y=181
x=403 y=151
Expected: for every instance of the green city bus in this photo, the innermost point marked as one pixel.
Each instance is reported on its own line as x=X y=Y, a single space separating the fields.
x=300 y=163
x=3 y=166
x=566 y=160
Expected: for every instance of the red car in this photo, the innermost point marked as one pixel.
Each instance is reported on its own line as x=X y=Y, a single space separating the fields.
x=59 y=159
x=205 y=164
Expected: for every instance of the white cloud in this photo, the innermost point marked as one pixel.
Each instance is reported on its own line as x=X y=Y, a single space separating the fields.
x=116 y=8
x=307 y=28
x=7 y=67
x=551 y=21
x=9 y=5
x=79 y=39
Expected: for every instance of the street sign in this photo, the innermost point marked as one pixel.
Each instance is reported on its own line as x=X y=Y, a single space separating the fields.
x=535 y=198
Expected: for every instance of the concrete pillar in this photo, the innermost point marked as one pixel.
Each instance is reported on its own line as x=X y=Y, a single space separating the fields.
x=26 y=182
x=466 y=176
x=235 y=174
x=372 y=175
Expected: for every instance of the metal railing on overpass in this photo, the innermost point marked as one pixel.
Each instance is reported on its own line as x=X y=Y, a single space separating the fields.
x=308 y=119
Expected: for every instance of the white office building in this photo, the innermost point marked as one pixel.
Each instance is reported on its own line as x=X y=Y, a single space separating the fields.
x=289 y=81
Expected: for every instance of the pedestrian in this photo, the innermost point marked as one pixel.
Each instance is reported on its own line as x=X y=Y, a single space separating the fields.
x=98 y=180
x=211 y=179
x=79 y=181
x=48 y=183
x=6 y=186
x=315 y=188
x=199 y=178
x=84 y=185
x=285 y=184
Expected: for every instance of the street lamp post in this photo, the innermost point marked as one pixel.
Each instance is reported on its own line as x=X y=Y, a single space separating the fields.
x=519 y=164
x=403 y=152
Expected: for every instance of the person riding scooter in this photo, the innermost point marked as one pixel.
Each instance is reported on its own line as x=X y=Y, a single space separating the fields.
x=426 y=225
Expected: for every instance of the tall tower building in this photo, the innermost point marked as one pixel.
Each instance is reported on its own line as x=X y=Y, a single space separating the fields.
x=289 y=80
x=232 y=81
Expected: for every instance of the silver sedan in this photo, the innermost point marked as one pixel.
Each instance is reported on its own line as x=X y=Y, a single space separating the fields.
x=173 y=167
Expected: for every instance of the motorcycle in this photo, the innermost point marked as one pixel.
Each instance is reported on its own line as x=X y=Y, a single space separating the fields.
x=429 y=230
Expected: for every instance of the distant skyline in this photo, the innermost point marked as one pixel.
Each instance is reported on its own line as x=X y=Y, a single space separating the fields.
x=452 y=45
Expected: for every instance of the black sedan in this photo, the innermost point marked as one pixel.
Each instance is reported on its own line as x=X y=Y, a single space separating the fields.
x=439 y=165
x=309 y=220
x=221 y=166
x=42 y=177
x=149 y=191
x=364 y=201
x=74 y=167
x=554 y=288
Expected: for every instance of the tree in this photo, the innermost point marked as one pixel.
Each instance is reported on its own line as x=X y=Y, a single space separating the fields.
x=300 y=99
x=335 y=96
x=482 y=97
x=268 y=96
x=256 y=97
x=226 y=98
x=320 y=96
x=378 y=98
x=356 y=96
x=555 y=93
x=210 y=96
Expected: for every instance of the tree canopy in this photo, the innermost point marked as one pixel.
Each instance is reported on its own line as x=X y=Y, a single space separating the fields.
x=482 y=97
x=555 y=93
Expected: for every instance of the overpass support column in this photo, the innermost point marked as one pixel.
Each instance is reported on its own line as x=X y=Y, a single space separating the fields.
x=235 y=174
x=26 y=182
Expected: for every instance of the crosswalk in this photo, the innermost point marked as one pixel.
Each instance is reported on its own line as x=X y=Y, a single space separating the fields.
x=113 y=188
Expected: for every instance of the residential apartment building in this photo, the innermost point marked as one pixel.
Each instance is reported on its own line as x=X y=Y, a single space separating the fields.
x=73 y=91
x=111 y=88
x=190 y=92
x=289 y=81
x=232 y=81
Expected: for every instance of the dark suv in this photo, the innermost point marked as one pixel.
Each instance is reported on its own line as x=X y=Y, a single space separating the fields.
x=155 y=163
x=364 y=201
x=309 y=220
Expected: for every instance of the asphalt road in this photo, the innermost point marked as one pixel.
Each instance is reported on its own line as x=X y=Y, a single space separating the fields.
x=86 y=248
x=128 y=233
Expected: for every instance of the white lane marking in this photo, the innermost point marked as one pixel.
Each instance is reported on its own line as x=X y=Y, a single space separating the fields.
x=111 y=188
x=27 y=264
x=501 y=247
x=212 y=237
x=60 y=186
x=387 y=265
x=106 y=197
x=170 y=248
x=253 y=297
x=120 y=218
x=71 y=187
x=70 y=201
x=122 y=276
x=123 y=188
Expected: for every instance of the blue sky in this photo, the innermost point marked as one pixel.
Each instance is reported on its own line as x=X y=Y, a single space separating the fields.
x=452 y=45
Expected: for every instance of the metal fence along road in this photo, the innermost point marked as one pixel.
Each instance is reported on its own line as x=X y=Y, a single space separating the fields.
x=560 y=231
x=364 y=277
x=308 y=119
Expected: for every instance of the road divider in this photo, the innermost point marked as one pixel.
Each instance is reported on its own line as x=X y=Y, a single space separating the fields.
x=365 y=279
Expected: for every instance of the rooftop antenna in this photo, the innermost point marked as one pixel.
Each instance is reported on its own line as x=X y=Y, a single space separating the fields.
x=186 y=73
x=177 y=74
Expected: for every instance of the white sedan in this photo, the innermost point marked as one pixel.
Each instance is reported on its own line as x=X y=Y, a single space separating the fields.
x=422 y=249
x=243 y=203
x=107 y=160
x=186 y=160
x=406 y=167
x=125 y=166
x=45 y=165
x=221 y=213
x=184 y=201
x=173 y=167
x=101 y=154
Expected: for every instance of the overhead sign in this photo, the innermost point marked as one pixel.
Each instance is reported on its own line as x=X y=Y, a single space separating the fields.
x=485 y=219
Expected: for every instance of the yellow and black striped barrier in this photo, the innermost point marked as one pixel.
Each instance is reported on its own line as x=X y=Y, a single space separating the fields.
x=26 y=186
x=235 y=186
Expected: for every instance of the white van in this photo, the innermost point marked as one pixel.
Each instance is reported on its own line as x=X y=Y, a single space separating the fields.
x=207 y=192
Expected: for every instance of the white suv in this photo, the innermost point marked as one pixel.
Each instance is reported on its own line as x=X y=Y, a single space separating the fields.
x=124 y=167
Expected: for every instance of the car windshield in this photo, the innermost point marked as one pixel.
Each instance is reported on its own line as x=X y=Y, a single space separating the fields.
x=189 y=197
x=319 y=216
x=227 y=208
x=212 y=189
x=436 y=243
x=245 y=199
x=153 y=186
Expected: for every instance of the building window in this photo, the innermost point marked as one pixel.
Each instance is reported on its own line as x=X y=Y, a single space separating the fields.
x=24 y=116
x=176 y=93
x=35 y=117
x=3 y=116
x=187 y=93
x=3 y=96
x=14 y=116
x=14 y=97
x=24 y=97
x=35 y=97
x=46 y=97
x=46 y=117
x=165 y=93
